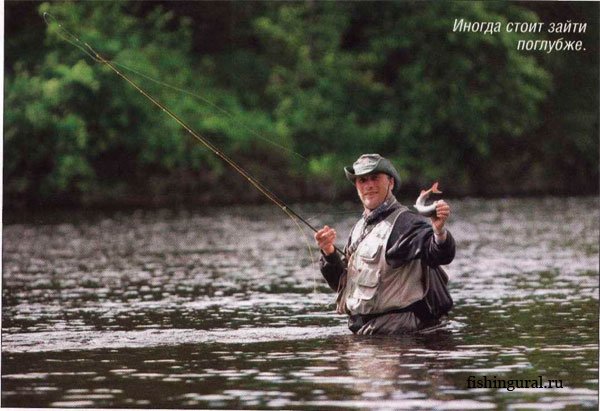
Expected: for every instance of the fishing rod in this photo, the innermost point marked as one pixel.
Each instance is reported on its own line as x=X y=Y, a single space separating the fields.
x=290 y=212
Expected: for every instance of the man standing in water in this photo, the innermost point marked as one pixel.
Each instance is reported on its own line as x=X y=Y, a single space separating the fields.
x=384 y=281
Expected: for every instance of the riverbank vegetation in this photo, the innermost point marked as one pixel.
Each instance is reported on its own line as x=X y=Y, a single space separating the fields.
x=293 y=92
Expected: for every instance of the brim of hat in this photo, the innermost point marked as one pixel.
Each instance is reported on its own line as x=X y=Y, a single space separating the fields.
x=351 y=176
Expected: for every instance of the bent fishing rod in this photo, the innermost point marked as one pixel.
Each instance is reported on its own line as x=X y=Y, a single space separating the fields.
x=290 y=212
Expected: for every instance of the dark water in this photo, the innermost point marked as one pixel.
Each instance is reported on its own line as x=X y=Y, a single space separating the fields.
x=223 y=308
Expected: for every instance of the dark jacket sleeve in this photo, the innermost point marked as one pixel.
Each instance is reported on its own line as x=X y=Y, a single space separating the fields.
x=332 y=267
x=412 y=238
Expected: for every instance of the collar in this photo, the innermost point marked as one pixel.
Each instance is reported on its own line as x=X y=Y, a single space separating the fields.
x=383 y=210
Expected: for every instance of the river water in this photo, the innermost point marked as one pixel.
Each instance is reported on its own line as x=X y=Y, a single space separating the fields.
x=224 y=308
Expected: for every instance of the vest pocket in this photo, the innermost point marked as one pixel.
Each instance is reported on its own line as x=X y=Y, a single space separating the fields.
x=366 y=283
x=369 y=252
x=362 y=298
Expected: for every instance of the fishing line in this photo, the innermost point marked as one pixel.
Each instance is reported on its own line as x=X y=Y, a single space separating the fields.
x=328 y=205
x=213 y=105
x=74 y=40
x=293 y=215
x=357 y=213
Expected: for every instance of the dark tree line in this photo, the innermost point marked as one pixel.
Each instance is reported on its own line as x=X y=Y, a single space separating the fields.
x=293 y=92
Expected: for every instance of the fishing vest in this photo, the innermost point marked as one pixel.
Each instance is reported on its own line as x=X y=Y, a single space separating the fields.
x=373 y=286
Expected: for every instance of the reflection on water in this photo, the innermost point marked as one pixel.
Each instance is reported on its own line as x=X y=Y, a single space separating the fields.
x=222 y=308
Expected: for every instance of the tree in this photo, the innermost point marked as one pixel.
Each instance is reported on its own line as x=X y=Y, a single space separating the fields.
x=75 y=131
x=296 y=90
x=352 y=78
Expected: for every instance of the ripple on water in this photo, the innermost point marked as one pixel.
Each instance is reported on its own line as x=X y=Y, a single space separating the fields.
x=171 y=309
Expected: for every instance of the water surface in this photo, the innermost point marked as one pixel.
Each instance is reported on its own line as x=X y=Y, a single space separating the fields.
x=224 y=308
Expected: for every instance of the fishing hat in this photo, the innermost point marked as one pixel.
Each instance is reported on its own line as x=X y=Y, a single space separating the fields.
x=370 y=164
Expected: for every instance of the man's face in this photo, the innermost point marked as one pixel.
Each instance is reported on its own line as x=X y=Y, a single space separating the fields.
x=373 y=189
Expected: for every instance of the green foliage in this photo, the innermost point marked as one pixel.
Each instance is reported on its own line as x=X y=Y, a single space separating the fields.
x=404 y=84
x=73 y=127
x=294 y=89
